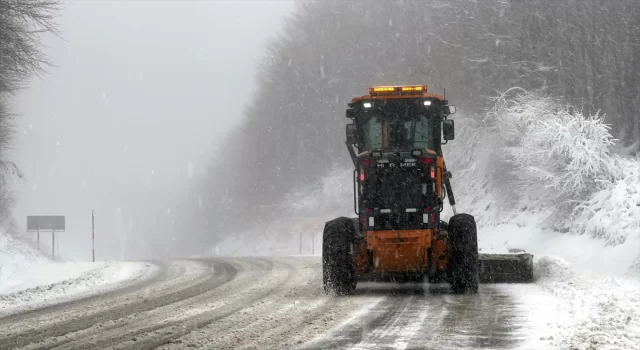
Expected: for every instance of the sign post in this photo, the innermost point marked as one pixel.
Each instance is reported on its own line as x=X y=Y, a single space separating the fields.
x=53 y=223
x=308 y=226
x=317 y=227
x=93 y=237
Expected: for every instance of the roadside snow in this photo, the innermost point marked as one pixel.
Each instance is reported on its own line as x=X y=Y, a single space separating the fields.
x=596 y=295
x=23 y=274
x=29 y=280
x=98 y=278
x=603 y=312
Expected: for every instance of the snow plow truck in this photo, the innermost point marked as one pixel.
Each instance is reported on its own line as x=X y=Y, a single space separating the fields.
x=400 y=182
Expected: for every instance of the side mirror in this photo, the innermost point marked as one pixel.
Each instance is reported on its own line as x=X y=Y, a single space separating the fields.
x=351 y=134
x=351 y=113
x=448 y=130
x=449 y=110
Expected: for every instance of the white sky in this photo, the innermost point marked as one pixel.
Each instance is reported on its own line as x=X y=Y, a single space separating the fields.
x=139 y=90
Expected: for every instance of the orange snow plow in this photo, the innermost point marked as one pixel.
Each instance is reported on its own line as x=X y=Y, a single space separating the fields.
x=400 y=182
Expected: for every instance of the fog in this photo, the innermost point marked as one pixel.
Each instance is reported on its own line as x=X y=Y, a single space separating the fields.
x=138 y=96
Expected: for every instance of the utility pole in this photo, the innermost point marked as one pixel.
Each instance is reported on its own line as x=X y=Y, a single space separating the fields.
x=53 y=245
x=38 y=238
x=93 y=237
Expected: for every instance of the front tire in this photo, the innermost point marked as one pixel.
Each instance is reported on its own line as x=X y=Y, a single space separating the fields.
x=338 y=270
x=463 y=244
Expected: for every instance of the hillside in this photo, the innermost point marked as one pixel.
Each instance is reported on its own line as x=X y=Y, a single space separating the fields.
x=292 y=133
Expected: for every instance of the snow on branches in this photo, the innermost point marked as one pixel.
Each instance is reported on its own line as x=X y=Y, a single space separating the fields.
x=613 y=213
x=562 y=162
x=556 y=151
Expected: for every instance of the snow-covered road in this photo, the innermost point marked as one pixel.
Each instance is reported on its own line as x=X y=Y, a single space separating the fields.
x=275 y=303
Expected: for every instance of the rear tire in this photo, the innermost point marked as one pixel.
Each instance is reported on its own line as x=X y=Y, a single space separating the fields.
x=463 y=246
x=338 y=270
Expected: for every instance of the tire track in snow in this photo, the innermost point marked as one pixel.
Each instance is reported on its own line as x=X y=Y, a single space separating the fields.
x=435 y=320
x=52 y=324
x=161 y=325
x=277 y=303
x=161 y=333
x=297 y=312
x=373 y=324
x=142 y=330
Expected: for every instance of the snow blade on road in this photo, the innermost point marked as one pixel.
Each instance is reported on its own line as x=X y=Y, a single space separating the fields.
x=506 y=268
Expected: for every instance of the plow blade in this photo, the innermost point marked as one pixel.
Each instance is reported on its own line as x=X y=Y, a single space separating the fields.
x=506 y=268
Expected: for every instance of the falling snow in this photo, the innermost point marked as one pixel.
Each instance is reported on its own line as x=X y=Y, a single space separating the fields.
x=550 y=165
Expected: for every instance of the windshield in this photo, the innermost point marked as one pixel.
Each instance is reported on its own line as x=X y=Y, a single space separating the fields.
x=383 y=131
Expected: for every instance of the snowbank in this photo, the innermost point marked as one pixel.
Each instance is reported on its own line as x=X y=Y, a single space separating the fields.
x=22 y=267
x=612 y=213
x=28 y=280
x=13 y=256
x=61 y=285
x=596 y=304
x=582 y=253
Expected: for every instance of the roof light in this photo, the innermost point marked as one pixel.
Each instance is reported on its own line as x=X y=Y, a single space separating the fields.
x=382 y=89
x=421 y=88
x=366 y=105
x=427 y=103
x=397 y=90
x=416 y=152
x=377 y=153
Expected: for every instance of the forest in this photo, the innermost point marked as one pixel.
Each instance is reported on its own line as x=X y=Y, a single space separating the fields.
x=583 y=54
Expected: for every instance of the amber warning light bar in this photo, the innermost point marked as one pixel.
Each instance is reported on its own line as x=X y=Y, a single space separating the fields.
x=397 y=90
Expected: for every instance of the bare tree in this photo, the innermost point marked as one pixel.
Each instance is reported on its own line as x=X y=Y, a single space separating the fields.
x=22 y=22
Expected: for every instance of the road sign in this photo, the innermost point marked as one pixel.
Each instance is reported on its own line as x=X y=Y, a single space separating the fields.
x=46 y=223
x=308 y=225
x=43 y=223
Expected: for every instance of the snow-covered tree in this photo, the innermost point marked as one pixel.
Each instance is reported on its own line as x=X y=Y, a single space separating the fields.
x=555 y=151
